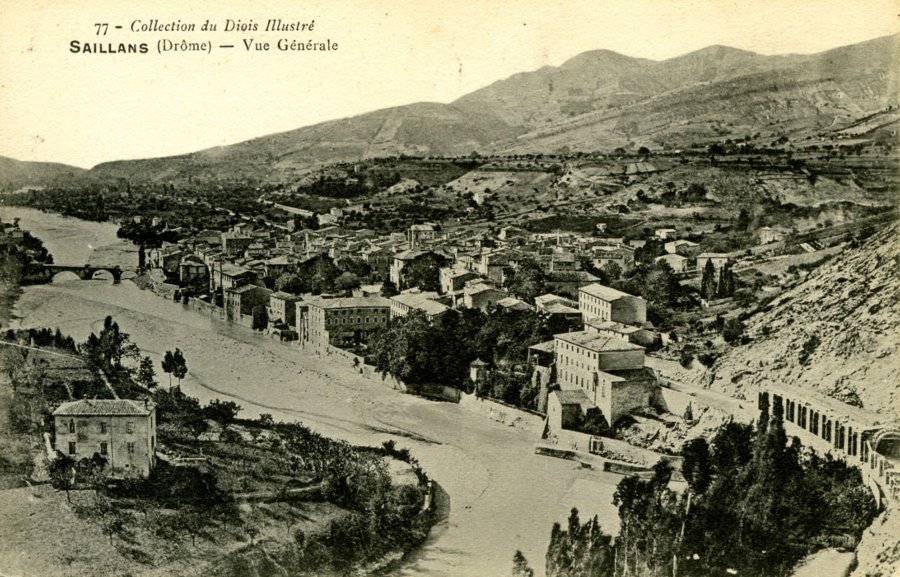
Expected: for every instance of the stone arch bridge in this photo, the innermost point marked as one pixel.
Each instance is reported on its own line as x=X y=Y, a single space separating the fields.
x=86 y=272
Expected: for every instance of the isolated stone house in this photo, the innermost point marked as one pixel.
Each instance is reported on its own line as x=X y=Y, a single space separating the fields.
x=121 y=431
x=719 y=260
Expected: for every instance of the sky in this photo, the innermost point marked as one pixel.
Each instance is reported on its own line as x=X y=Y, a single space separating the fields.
x=83 y=109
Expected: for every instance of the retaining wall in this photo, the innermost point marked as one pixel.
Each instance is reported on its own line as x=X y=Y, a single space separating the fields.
x=675 y=402
x=503 y=413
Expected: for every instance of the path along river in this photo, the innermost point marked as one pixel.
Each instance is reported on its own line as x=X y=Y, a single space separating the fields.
x=503 y=496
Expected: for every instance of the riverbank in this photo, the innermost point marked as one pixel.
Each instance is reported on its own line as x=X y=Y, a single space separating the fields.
x=504 y=496
x=479 y=462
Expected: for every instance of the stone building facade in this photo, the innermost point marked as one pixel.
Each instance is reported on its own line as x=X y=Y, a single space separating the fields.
x=341 y=321
x=608 y=304
x=121 y=431
x=609 y=370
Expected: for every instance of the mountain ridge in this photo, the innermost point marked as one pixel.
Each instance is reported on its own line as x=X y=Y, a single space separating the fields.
x=595 y=100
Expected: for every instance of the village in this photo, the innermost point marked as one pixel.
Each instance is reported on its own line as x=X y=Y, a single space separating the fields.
x=595 y=392
x=600 y=290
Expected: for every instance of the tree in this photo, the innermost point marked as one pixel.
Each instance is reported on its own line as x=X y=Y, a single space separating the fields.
x=528 y=281
x=660 y=286
x=146 y=375
x=179 y=370
x=62 y=474
x=520 y=566
x=259 y=318
x=697 y=465
x=732 y=330
x=708 y=281
x=168 y=365
x=423 y=272
x=389 y=289
x=593 y=422
x=192 y=520
x=579 y=550
x=725 y=287
x=346 y=282
x=291 y=283
x=113 y=520
x=612 y=271
x=223 y=412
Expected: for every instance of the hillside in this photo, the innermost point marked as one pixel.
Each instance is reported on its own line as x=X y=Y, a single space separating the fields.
x=421 y=129
x=720 y=93
x=15 y=174
x=598 y=100
x=835 y=332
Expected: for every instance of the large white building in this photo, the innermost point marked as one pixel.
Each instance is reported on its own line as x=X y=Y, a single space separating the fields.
x=608 y=304
x=609 y=370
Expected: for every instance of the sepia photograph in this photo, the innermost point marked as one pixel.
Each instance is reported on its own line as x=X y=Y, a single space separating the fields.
x=375 y=288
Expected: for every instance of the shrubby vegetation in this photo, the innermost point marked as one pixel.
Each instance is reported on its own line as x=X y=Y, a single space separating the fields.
x=20 y=261
x=753 y=505
x=418 y=352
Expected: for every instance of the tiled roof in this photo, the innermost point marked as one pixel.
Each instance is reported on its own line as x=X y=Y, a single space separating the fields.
x=611 y=326
x=514 y=304
x=560 y=309
x=104 y=407
x=603 y=292
x=573 y=397
x=597 y=342
x=546 y=346
x=349 y=302
x=248 y=288
x=422 y=302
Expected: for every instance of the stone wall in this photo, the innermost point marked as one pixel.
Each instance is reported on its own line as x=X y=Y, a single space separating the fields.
x=675 y=402
x=503 y=413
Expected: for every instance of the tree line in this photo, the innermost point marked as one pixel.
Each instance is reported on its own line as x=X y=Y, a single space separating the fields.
x=417 y=351
x=756 y=503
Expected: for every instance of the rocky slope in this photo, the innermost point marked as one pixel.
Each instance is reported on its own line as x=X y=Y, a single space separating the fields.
x=835 y=332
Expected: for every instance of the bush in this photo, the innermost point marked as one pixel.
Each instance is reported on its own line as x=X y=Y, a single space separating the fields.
x=809 y=347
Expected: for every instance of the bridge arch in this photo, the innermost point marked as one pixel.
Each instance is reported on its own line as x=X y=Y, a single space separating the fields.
x=887 y=443
x=64 y=276
x=103 y=274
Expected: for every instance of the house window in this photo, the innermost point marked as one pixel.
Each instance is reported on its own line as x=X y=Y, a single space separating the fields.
x=131 y=448
x=103 y=428
x=104 y=447
x=72 y=426
x=71 y=447
x=129 y=427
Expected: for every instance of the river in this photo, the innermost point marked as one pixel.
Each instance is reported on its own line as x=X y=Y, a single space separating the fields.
x=503 y=496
